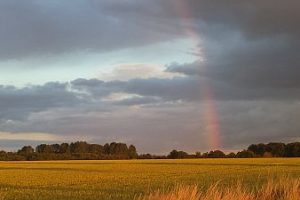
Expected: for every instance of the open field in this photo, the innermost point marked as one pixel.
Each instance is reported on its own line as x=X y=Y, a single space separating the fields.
x=127 y=179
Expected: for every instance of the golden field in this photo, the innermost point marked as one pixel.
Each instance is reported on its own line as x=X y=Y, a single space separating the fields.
x=129 y=179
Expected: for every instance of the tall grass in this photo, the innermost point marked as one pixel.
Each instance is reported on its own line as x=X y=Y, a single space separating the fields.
x=282 y=189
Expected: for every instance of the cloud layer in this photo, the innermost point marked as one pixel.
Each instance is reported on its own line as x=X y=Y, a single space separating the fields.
x=249 y=64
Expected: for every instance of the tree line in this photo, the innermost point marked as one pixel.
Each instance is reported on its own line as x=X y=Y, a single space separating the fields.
x=84 y=151
x=253 y=151
x=74 y=151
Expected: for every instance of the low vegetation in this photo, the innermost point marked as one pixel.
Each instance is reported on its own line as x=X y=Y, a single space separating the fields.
x=282 y=189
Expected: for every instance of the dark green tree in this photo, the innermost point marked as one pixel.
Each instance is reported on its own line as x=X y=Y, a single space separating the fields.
x=132 y=152
x=198 y=154
x=96 y=149
x=106 y=149
x=245 y=154
x=277 y=149
x=79 y=147
x=231 y=155
x=64 y=148
x=292 y=149
x=26 y=152
x=177 y=154
x=259 y=149
x=216 y=154
x=44 y=148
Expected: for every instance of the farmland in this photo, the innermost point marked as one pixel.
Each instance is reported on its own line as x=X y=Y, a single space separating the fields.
x=129 y=178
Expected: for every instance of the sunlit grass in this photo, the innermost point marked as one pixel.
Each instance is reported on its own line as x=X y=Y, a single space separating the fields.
x=274 y=189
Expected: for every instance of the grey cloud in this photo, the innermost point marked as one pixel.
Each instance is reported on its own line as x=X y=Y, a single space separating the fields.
x=270 y=64
x=96 y=87
x=160 y=129
x=139 y=101
x=254 y=19
x=250 y=46
x=151 y=129
x=255 y=68
x=41 y=28
x=246 y=122
x=17 y=103
x=168 y=89
x=57 y=108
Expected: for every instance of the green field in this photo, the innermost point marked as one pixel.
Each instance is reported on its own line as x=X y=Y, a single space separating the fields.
x=125 y=179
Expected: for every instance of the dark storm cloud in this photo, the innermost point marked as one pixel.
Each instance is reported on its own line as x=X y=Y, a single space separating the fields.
x=250 y=47
x=268 y=64
x=38 y=28
x=255 y=19
x=34 y=28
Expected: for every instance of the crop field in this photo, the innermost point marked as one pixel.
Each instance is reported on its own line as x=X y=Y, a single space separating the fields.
x=128 y=179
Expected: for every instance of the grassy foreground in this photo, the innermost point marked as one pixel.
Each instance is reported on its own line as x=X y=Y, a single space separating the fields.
x=282 y=189
x=132 y=178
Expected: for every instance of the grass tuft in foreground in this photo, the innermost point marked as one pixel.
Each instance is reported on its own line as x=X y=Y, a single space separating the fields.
x=282 y=189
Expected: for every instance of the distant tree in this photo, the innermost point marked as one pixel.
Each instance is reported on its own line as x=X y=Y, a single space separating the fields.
x=3 y=156
x=113 y=149
x=40 y=148
x=198 y=154
x=267 y=154
x=253 y=148
x=182 y=154
x=270 y=150
x=44 y=148
x=173 y=154
x=177 y=154
x=55 y=148
x=118 y=148
x=292 y=149
x=259 y=149
x=15 y=156
x=106 y=148
x=132 y=152
x=95 y=149
x=245 y=154
x=82 y=150
x=216 y=154
x=276 y=149
x=145 y=156
x=64 y=148
x=79 y=147
x=26 y=151
x=231 y=155
x=205 y=155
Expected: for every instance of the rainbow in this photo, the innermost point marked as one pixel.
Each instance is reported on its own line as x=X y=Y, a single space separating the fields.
x=210 y=114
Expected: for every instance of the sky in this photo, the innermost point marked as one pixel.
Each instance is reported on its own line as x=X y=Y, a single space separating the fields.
x=192 y=75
